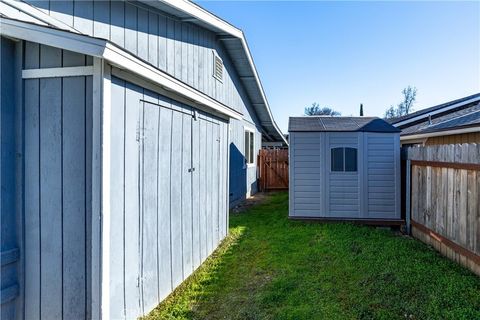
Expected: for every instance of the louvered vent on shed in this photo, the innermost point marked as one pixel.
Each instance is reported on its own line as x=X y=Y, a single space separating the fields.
x=217 y=67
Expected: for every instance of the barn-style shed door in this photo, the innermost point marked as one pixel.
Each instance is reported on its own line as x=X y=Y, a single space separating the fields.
x=181 y=182
x=165 y=154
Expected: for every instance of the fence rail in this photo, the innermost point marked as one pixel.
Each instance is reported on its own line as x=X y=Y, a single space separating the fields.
x=273 y=169
x=444 y=200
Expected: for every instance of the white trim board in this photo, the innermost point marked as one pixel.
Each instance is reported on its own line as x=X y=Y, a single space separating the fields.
x=439 y=133
x=36 y=14
x=414 y=141
x=57 y=72
x=96 y=190
x=128 y=76
x=11 y=11
x=114 y=55
x=434 y=112
x=105 y=189
x=198 y=13
x=126 y=61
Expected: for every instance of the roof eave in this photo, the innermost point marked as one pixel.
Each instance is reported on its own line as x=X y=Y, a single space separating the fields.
x=339 y=131
x=424 y=115
x=438 y=133
x=226 y=32
x=115 y=55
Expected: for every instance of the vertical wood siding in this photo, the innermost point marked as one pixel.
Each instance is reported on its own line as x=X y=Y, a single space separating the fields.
x=472 y=137
x=9 y=247
x=167 y=190
x=55 y=187
x=243 y=178
x=179 y=48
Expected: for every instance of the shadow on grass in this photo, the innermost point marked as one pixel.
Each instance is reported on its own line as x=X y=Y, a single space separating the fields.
x=270 y=267
x=181 y=303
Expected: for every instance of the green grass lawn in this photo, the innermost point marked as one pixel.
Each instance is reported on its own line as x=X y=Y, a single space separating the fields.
x=272 y=268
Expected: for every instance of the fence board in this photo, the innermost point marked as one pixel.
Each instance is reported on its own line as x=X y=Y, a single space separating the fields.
x=445 y=209
x=273 y=169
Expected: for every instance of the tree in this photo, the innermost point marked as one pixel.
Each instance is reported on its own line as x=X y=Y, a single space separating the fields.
x=391 y=112
x=361 y=109
x=315 y=110
x=409 y=97
x=406 y=106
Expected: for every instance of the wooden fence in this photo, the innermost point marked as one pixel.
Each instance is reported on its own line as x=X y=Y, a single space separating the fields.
x=443 y=203
x=273 y=169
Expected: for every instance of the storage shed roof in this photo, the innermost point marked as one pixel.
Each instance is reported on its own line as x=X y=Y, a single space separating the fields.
x=349 y=124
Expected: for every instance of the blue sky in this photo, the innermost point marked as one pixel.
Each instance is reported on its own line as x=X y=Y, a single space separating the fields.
x=341 y=54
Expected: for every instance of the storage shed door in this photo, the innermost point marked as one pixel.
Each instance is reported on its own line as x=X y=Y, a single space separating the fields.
x=344 y=169
x=181 y=169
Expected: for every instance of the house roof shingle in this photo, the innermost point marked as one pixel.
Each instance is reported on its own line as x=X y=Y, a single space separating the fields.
x=460 y=118
x=338 y=124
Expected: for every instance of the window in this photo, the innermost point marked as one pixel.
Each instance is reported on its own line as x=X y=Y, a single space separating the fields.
x=351 y=159
x=344 y=159
x=337 y=159
x=249 y=147
x=217 y=67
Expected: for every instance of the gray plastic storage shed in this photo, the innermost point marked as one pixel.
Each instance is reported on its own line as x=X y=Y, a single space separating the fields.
x=344 y=168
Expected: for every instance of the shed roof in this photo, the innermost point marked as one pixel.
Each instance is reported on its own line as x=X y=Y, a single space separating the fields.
x=348 y=124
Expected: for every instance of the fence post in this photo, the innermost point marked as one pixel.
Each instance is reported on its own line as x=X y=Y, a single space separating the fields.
x=408 y=195
x=260 y=171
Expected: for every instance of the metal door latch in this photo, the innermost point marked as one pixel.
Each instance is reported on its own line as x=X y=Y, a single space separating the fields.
x=140 y=133
x=191 y=169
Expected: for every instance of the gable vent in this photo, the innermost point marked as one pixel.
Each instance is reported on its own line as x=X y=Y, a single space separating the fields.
x=217 y=67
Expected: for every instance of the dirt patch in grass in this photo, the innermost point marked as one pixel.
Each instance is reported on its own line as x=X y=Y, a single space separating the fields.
x=254 y=200
x=270 y=267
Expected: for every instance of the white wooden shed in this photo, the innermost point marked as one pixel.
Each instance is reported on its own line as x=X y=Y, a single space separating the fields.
x=344 y=168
